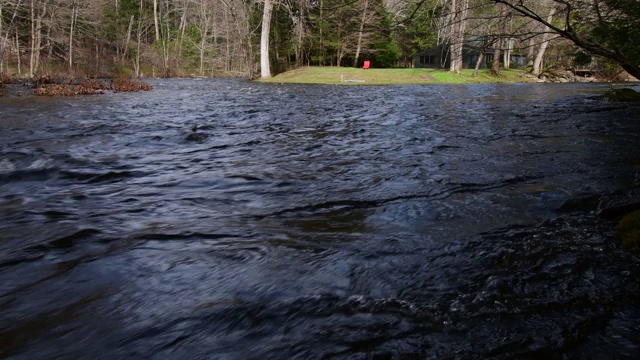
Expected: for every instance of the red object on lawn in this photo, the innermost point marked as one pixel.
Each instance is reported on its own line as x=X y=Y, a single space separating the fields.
x=367 y=63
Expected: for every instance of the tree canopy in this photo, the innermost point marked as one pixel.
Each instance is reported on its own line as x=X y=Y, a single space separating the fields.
x=601 y=27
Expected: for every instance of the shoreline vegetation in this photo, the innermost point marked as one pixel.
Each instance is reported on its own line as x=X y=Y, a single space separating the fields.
x=48 y=85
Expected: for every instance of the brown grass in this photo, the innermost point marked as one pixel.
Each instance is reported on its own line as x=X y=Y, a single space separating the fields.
x=88 y=87
x=127 y=85
x=6 y=79
x=44 y=87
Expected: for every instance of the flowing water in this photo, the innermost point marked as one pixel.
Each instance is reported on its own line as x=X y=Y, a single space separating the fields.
x=227 y=219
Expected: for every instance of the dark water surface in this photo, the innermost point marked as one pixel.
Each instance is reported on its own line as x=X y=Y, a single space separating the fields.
x=225 y=219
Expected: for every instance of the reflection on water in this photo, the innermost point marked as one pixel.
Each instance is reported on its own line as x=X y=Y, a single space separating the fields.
x=227 y=219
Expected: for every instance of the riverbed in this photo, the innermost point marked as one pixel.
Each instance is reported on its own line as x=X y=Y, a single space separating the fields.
x=226 y=219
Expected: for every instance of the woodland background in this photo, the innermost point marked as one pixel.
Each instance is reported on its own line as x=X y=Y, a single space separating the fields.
x=151 y=38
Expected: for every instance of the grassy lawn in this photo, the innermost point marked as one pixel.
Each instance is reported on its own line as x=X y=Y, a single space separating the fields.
x=355 y=76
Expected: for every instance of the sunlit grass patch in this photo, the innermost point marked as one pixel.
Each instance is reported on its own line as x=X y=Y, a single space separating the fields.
x=356 y=76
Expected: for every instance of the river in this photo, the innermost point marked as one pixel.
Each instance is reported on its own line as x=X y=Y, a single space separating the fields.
x=225 y=219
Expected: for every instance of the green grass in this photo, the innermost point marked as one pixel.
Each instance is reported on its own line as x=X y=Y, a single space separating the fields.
x=355 y=76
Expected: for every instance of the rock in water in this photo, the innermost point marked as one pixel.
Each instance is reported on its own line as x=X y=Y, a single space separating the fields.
x=624 y=94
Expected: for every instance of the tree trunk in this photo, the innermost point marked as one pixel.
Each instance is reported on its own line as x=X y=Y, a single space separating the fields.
x=97 y=69
x=48 y=45
x=453 y=37
x=203 y=43
x=478 y=63
x=3 y=41
x=136 y=60
x=299 y=32
x=155 y=19
x=530 y=51
x=359 y=43
x=633 y=70
x=18 y=52
x=498 y=50
x=537 y=63
x=181 y=29
x=128 y=41
x=265 y=69
x=339 y=56
x=32 y=43
x=458 y=27
x=227 y=60
x=39 y=32
x=495 y=68
x=322 y=51
x=71 y=29
x=507 y=53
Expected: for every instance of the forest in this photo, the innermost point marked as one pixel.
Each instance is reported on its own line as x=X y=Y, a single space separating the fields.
x=252 y=38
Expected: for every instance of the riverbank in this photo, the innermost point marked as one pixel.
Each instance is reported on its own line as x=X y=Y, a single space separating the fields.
x=352 y=76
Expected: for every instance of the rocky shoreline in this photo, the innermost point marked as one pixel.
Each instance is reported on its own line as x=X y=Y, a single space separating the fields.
x=569 y=76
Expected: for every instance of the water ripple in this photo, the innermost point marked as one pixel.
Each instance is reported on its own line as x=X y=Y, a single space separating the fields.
x=256 y=221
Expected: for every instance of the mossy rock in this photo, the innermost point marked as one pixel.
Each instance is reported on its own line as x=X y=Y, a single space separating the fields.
x=628 y=231
x=624 y=94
